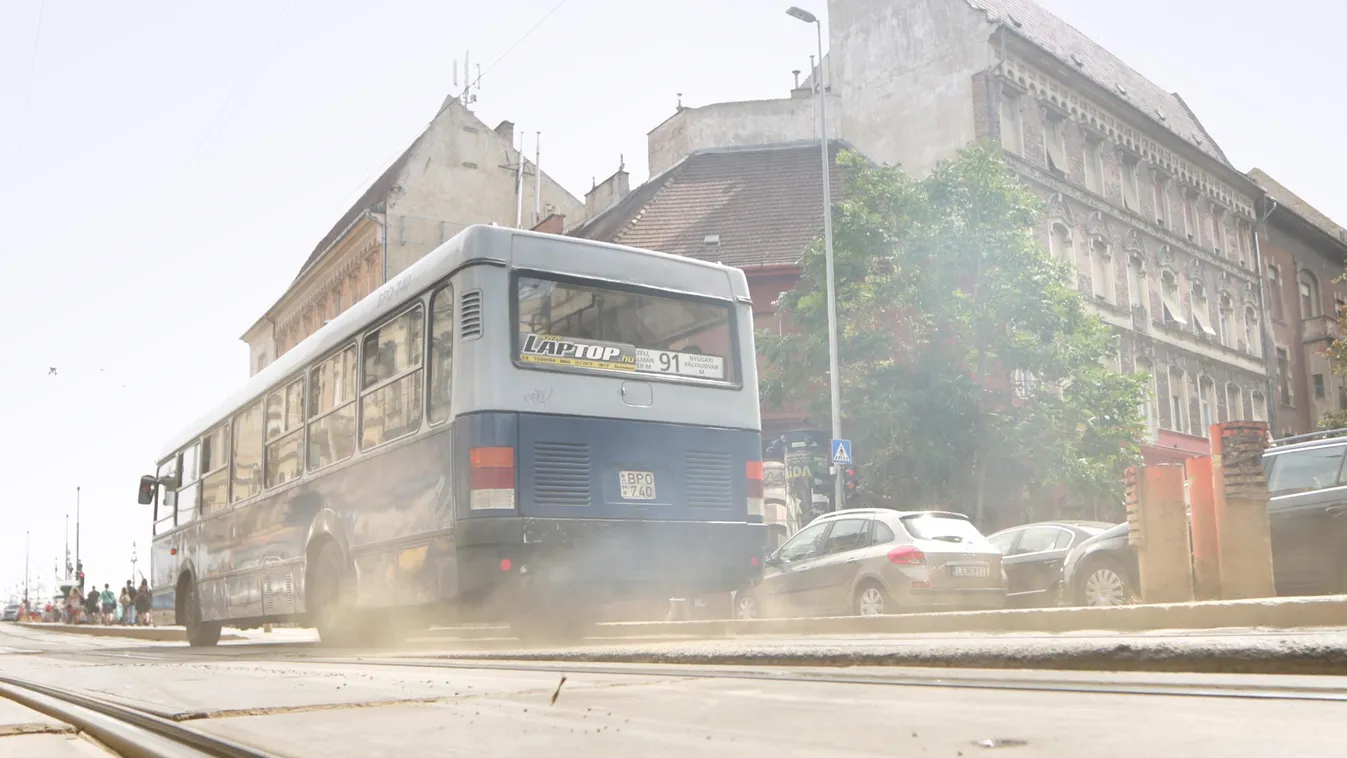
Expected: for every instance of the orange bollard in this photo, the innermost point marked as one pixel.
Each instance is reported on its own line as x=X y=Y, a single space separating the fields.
x=1158 y=521
x=1202 y=507
x=1239 y=495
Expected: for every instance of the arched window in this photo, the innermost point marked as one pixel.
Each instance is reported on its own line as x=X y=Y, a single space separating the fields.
x=1310 y=304
x=1259 y=407
x=1136 y=283
x=1169 y=299
x=1101 y=271
x=1224 y=314
x=1234 y=403
x=1253 y=336
x=1147 y=410
x=1178 y=400
x=1206 y=403
x=1059 y=243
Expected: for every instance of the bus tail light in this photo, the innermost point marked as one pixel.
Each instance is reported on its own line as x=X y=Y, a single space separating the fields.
x=753 y=469
x=491 y=478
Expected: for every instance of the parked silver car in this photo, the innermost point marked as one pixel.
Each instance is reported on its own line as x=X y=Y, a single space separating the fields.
x=870 y=561
x=11 y=612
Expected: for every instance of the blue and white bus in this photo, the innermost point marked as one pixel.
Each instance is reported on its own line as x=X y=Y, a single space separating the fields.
x=519 y=428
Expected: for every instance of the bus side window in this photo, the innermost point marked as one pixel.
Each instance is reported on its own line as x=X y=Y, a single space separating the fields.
x=215 y=469
x=247 y=453
x=165 y=512
x=285 y=434
x=188 y=474
x=391 y=400
x=332 y=410
x=441 y=352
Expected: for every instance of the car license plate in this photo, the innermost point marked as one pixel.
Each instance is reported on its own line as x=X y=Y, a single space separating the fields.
x=637 y=485
x=975 y=571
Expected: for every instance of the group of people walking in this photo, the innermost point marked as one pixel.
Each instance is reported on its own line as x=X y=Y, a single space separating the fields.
x=130 y=607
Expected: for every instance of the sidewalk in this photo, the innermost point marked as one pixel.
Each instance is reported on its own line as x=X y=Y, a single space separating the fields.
x=149 y=633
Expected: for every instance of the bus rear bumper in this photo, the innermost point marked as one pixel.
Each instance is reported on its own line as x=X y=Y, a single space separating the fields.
x=504 y=561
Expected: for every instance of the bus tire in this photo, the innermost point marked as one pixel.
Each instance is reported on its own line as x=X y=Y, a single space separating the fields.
x=199 y=633
x=334 y=612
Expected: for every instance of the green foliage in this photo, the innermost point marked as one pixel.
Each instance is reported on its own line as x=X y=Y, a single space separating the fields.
x=942 y=295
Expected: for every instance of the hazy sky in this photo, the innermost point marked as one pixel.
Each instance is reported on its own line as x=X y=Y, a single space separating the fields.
x=165 y=167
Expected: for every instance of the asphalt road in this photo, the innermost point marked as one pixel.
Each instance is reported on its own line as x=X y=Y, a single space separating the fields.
x=293 y=699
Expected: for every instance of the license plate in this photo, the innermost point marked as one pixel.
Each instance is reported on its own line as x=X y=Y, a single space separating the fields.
x=637 y=485
x=977 y=571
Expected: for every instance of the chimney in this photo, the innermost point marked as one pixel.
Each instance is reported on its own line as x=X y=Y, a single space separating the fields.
x=555 y=223
x=608 y=192
x=506 y=130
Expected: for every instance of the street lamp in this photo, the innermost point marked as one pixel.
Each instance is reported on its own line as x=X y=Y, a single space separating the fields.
x=834 y=374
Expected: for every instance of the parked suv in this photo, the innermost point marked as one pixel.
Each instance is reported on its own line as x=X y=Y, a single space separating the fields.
x=869 y=561
x=1307 y=512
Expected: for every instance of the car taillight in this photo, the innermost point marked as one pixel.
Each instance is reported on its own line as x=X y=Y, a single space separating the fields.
x=753 y=470
x=490 y=478
x=906 y=555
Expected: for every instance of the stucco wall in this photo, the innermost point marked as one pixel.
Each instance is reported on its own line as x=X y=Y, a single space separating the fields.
x=904 y=73
x=740 y=124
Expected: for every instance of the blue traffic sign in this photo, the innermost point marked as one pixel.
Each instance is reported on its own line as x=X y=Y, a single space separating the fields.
x=841 y=452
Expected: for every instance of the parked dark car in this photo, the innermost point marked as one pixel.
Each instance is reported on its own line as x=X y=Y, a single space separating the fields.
x=1307 y=513
x=1102 y=570
x=1033 y=555
x=869 y=561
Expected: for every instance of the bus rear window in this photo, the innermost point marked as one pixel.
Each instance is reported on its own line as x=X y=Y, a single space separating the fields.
x=576 y=326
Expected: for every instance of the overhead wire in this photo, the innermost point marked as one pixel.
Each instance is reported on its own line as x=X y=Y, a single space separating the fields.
x=28 y=87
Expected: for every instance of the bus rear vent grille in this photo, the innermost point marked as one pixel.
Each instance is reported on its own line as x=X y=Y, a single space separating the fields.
x=470 y=315
x=708 y=480
x=561 y=473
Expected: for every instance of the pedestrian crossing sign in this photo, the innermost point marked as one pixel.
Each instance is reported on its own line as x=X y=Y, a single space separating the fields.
x=841 y=452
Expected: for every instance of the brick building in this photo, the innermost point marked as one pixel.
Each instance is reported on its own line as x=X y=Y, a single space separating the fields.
x=1304 y=253
x=456 y=173
x=755 y=208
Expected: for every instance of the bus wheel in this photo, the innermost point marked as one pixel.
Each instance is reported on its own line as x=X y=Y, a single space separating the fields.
x=199 y=633
x=334 y=601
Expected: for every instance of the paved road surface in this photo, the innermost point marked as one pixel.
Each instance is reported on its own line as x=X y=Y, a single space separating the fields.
x=295 y=700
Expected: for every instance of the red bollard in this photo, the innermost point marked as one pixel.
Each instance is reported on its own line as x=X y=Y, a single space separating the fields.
x=1206 y=550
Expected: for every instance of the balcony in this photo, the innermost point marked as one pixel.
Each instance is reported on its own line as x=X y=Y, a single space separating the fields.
x=1318 y=329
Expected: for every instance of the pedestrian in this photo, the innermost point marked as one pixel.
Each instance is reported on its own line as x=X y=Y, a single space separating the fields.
x=74 y=603
x=143 y=603
x=92 y=605
x=125 y=602
x=109 y=602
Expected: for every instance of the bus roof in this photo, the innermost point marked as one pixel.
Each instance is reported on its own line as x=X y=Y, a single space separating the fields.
x=475 y=244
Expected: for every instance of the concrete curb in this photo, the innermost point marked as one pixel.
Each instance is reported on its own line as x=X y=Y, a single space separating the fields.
x=149 y=633
x=1267 y=613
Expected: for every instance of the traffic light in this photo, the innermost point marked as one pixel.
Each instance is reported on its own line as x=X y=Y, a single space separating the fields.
x=851 y=480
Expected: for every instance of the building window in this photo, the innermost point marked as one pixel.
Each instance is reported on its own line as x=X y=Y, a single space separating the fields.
x=1012 y=132
x=1161 y=189
x=1201 y=318
x=1224 y=312
x=1284 y=376
x=1309 y=296
x=1259 y=407
x=1094 y=167
x=1319 y=387
x=1130 y=170
x=1178 y=401
x=1252 y=337
x=1206 y=401
x=1136 y=283
x=1059 y=243
x=1054 y=143
x=1189 y=216
x=1169 y=299
x=1274 y=291
x=1218 y=241
x=1101 y=271
x=1234 y=403
x=1147 y=409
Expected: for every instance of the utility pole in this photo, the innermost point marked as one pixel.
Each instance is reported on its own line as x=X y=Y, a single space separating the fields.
x=68 y=567
x=79 y=565
x=26 y=540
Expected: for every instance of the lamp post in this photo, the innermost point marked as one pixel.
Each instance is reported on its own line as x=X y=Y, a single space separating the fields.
x=834 y=373
x=133 y=563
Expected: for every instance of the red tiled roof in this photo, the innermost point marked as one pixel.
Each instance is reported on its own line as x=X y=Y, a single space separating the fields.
x=765 y=203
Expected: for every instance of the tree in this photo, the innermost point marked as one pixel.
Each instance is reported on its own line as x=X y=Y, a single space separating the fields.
x=970 y=363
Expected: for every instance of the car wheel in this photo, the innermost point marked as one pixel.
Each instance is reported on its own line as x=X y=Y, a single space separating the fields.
x=870 y=600
x=1104 y=585
x=746 y=606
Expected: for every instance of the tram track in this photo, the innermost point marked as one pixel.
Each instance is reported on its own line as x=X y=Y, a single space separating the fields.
x=1083 y=682
x=124 y=730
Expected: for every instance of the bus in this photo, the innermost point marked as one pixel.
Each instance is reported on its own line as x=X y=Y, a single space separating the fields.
x=519 y=428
